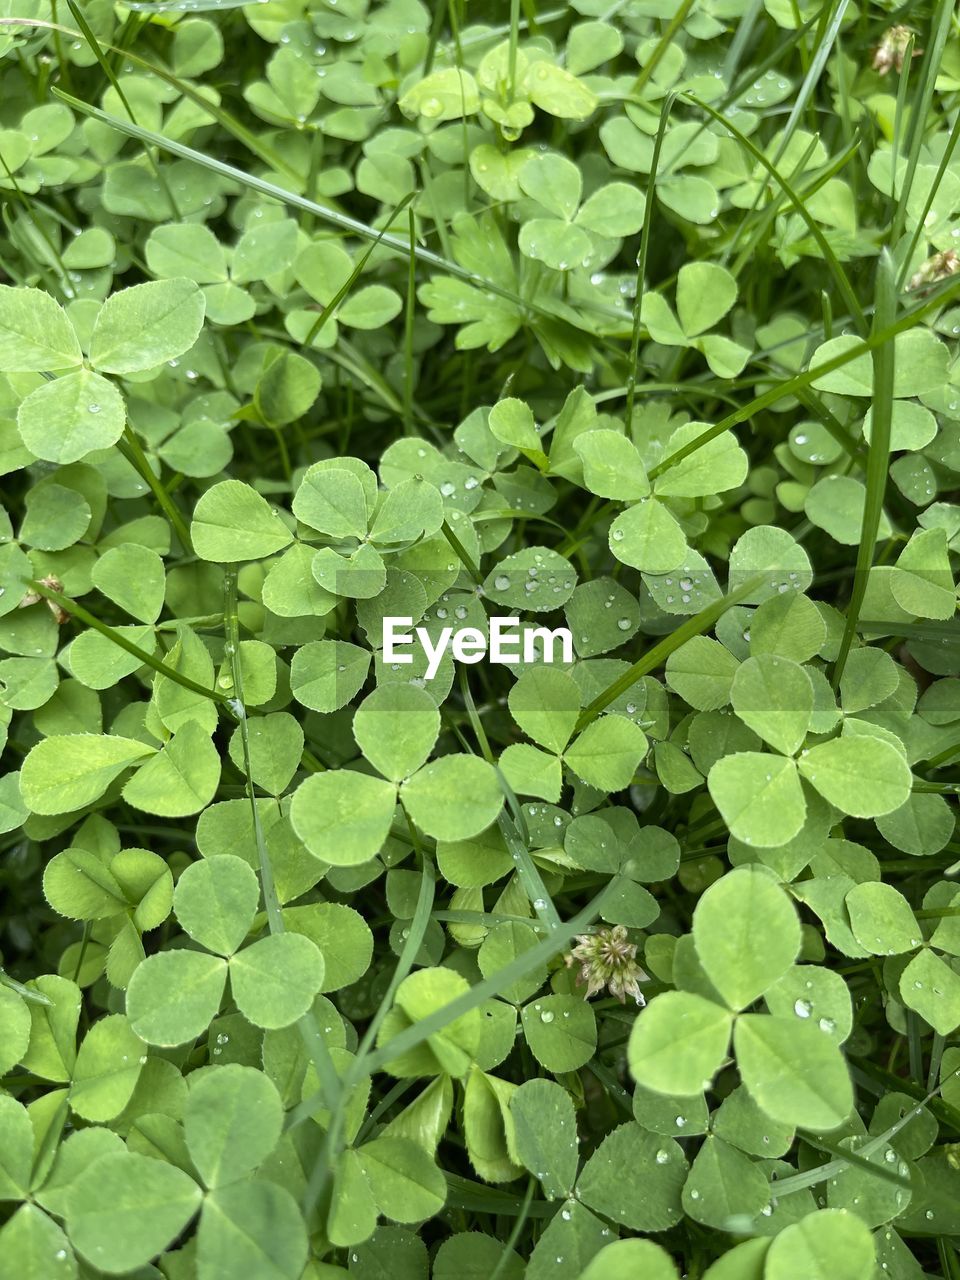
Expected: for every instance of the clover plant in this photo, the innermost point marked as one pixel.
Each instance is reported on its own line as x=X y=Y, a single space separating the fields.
x=336 y=939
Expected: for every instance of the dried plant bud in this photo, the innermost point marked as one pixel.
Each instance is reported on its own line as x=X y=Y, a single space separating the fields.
x=608 y=959
x=939 y=267
x=892 y=49
x=34 y=597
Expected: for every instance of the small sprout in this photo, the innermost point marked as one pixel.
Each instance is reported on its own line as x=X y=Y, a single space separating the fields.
x=608 y=959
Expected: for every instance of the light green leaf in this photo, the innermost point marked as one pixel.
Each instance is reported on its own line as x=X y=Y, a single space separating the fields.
x=174 y=995
x=216 y=900
x=67 y=772
x=146 y=325
x=327 y=674
x=396 y=727
x=759 y=797
x=702 y=672
x=647 y=537
x=232 y=1122
x=35 y=334
x=627 y=1259
x=829 y=1245
x=795 y=1073
x=64 y=420
x=545 y=704
x=125 y=1208
x=133 y=577
x=406 y=1184
x=746 y=934
x=251 y=1229
x=343 y=817
x=607 y=753
x=275 y=980
x=650 y=1203
x=863 y=776
x=611 y=465
x=561 y=1032
x=713 y=467
x=931 y=987
x=677 y=1045
x=232 y=522
x=724 y=1185
x=705 y=293
x=774 y=697
x=32 y=1247
x=107 y=1069
x=881 y=919
x=453 y=798
x=180 y=779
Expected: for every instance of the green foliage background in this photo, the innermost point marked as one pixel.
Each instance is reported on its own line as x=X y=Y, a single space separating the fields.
x=636 y=318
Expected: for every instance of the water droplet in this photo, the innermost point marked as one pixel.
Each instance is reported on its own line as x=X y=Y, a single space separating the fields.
x=93 y=408
x=663 y=1156
x=623 y=624
x=802 y=1008
x=501 y=582
x=546 y=1016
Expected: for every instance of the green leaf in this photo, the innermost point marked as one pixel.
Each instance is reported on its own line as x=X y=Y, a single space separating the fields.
x=556 y=91
x=406 y=1184
x=343 y=817
x=545 y=1135
x=759 y=797
x=724 y=1186
x=232 y=1122
x=616 y=209
x=881 y=919
x=35 y=334
x=396 y=727
x=931 y=987
x=146 y=325
x=16 y=1149
x=794 y=1072
x=64 y=420
x=215 y=901
x=32 y=1247
x=678 y=1043
x=445 y=95
x=67 y=772
x=922 y=580
x=545 y=703
x=453 y=798
x=107 y=1069
x=713 y=467
x=612 y=466
x=863 y=776
x=327 y=674
x=624 y=1259
x=331 y=500
x=702 y=672
x=180 y=779
x=705 y=293
x=561 y=1032
x=746 y=934
x=275 y=980
x=251 y=1229
x=828 y=1245
x=554 y=182
x=607 y=753
x=774 y=697
x=558 y=245
x=647 y=537
x=232 y=522
x=174 y=995
x=132 y=577
x=650 y=1203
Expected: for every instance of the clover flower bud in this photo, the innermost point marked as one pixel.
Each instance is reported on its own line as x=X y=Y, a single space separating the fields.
x=892 y=49
x=608 y=959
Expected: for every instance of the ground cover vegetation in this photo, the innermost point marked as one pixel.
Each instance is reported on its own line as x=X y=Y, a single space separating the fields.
x=638 y=318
